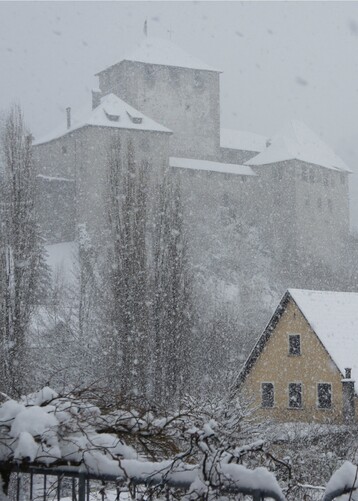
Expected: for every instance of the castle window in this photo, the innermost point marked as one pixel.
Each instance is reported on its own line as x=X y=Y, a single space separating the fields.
x=325 y=179
x=304 y=173
x=294 y=344
x=150 y=75
x=225 y=200
x=312 y=176
x=198 y=80
x=267 y=395
x=330 y=205
x=295 y=395
x=343 y=179
x=64 y=150
x=324 y=395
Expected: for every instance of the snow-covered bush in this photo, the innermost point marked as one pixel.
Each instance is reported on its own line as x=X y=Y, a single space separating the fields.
x=196 y=449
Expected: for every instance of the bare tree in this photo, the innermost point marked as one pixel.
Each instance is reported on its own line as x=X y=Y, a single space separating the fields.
x=22 y=264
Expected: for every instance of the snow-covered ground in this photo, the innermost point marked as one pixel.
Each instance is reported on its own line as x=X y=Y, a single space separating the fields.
x=62 y=259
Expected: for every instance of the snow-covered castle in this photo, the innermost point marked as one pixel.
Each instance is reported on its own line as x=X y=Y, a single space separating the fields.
x=167 y=103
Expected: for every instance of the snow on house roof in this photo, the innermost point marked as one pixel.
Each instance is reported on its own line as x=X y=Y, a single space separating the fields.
x=297 y=141
x=165 y=53
x=242 y=140
x=206 y=165
x=112 y=112
x=334 y=318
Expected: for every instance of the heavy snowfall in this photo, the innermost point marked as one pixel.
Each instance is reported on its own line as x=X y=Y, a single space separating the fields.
x=178 y=208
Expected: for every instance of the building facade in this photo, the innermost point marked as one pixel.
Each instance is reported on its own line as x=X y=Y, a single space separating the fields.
x=293 y=187
x=303 y=366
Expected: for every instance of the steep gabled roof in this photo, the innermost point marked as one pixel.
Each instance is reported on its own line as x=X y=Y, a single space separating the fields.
x=333 y=316
x=164 y=53
x=112 y=112
x=242 y=140
x=297 y=141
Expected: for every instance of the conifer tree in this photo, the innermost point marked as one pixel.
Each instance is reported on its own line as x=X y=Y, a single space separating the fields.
x=23 y=271
x=127 y=270
x=173 y=305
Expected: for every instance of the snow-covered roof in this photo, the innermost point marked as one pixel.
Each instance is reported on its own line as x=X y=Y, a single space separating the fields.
x=242 y=140
x=191 y=163
x=334 y=318
x=111 y=112
x=165 y=53
x=55 y=178
x=297 y=141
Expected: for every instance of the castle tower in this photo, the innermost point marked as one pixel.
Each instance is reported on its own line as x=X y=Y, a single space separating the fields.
x=174 y=89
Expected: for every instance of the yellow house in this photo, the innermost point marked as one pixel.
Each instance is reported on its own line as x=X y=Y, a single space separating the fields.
x=304 y=364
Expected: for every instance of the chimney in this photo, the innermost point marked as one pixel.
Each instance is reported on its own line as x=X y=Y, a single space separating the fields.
x=96 y=98
x=348 y=397
x=68 y=114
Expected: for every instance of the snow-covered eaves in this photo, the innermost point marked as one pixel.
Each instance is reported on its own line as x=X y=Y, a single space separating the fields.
x=164 y=53
x=334 y=318
x=112 y=112
x=242 y=140
x=208 y=165
x=54 y=178
x=297 y=142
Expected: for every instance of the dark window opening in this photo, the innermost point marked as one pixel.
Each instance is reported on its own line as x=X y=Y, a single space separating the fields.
x=294 y=344
x=304 y=174
x=199 y=80
x=324 y=395
x=295 y=395
x=268 y=395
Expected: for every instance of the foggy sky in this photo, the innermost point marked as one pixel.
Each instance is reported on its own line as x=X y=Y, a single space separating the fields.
x=279 y=60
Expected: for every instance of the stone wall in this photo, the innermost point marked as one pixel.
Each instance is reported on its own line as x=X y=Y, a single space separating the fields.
x=187 y=101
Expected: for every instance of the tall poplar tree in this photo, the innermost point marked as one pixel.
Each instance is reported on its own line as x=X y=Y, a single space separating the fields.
x=22 y=265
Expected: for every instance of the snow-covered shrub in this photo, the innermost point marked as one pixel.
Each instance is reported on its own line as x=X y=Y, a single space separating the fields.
x=196 y=449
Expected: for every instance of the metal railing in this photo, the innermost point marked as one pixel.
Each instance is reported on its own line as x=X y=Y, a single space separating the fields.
x=37 y=483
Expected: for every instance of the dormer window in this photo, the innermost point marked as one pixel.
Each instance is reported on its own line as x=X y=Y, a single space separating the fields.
x=135 y=120
x=111 y=116
x=294 y=344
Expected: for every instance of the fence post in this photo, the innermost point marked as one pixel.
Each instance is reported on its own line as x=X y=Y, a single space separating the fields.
x=82 y=484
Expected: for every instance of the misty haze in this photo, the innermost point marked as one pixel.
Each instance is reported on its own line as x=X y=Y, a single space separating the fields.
x=178 y=250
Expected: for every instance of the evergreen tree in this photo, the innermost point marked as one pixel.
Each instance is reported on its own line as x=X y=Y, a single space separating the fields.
x=127 y=271
x=23 y=270
x=172 y=306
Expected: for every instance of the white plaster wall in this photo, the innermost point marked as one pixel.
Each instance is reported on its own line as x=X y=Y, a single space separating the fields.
x=186 y=101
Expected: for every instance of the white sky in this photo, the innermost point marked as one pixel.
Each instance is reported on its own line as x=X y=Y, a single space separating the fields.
x=280 y=60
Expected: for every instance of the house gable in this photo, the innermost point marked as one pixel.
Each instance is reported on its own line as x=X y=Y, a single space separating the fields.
x=271 y=362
